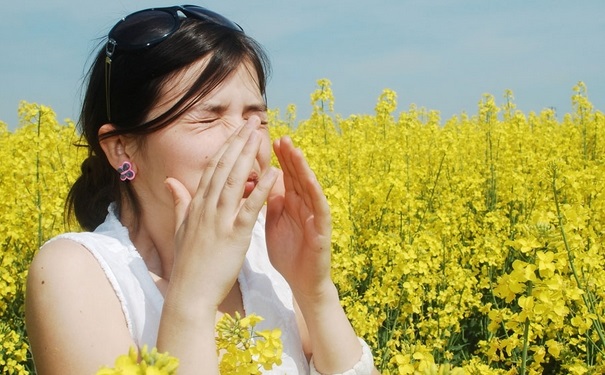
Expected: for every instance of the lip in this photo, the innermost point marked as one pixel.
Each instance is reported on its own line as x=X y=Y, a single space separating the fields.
x=250 y=184
x=253 y=176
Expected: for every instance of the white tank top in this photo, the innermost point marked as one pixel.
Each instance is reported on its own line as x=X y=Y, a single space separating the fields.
x=264 y=291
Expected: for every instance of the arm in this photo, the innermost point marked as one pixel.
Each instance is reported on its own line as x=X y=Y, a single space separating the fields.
x=74 y=318
x=75 y=323
x=330 y=337
x=298 y=215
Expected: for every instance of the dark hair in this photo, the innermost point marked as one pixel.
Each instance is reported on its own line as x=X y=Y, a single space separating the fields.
x=137 y=78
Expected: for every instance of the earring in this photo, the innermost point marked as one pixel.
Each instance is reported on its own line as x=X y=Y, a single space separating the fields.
x=126 y=172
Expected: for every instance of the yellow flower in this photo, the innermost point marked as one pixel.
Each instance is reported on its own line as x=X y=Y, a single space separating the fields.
x=546 y=265
x=450 y=237
x=150 y=363
x=242 y=349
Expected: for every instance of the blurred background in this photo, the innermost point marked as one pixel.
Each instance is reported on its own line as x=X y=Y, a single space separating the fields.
x=441 y=55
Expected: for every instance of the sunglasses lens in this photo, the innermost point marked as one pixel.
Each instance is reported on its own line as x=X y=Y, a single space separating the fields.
x=208 y=15
x=143 y=29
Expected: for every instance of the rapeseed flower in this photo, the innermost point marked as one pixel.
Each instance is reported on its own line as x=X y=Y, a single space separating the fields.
x=474 y=242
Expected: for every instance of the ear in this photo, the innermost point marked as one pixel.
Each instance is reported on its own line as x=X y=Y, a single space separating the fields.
x=114 y=147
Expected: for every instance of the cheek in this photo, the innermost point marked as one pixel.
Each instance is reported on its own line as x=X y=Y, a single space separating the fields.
x=189 y=168
x=190 y=163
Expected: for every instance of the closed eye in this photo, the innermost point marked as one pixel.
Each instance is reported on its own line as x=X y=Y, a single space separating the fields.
x=207 y=120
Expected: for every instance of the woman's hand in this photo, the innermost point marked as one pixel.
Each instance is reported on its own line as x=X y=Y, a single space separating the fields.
x=213 y=228
x=213 y=232
x=299 y=225
x=299 y=231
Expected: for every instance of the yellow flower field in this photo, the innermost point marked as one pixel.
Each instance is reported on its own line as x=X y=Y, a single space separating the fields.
x=472 y=245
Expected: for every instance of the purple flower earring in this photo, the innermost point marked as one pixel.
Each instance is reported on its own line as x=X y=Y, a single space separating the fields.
x=126 y=172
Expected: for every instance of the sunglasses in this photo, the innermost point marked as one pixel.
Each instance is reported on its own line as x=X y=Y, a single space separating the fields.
x=149 y=27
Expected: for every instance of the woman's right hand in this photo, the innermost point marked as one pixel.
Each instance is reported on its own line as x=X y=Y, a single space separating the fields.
x=212 y=234
x=214 y=228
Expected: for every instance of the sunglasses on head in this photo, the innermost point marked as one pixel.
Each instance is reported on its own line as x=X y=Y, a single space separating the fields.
x=146 y=28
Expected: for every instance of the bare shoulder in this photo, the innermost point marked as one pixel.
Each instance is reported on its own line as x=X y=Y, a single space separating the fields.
x=61 y=253
x=74 y=319
x=62 y=269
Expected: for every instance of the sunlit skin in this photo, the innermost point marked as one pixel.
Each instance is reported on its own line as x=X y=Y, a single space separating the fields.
x=175 y=157
x=202 y=182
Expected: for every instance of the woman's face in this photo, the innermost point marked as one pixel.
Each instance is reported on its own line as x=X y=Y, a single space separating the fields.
x=183 y=149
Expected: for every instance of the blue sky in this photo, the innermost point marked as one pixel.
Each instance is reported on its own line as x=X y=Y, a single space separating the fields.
x=438 y=54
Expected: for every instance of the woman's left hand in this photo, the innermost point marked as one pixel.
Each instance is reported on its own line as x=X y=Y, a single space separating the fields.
x=299 y=225
x=298 y=229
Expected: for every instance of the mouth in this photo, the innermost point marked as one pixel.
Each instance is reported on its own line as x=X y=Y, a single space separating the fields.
x=250 y=184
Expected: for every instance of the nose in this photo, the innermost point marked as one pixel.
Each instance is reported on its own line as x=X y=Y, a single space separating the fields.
x=239 y=121
x=253 y=120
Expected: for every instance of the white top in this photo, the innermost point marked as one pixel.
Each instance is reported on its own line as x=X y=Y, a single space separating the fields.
x=264 y=290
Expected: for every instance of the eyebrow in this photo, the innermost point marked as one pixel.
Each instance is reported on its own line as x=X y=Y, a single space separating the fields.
x=257 y=108
x=220 y=108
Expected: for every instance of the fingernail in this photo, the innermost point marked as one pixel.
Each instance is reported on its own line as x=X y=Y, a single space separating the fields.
x=168 y=185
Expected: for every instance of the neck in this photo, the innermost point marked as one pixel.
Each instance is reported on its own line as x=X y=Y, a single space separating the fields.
x=155 y=244
x=153 y=239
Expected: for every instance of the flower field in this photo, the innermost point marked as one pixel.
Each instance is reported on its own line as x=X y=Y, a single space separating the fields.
x=467 y=246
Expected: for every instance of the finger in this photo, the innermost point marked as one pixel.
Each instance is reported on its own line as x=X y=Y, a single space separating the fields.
x=321 y=207
x=296 y=170
x=212 y=164
x=181 y=199
x=234 y=186
x=219 y=168
x=277 y=191
x=313 y=193
x=283 y=151
x=278 y=153
x=252 y=205
x=275 y=200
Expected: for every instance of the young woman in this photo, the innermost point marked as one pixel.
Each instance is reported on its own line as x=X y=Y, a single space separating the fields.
x=186 y=220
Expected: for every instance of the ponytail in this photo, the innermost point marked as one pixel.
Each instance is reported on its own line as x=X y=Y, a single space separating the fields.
x=93 y=191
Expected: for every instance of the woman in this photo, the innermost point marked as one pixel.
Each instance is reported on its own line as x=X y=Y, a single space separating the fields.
x=173 y=198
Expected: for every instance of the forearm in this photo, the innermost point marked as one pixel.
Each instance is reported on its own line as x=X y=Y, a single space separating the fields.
x=333 y=341
x=190 y=337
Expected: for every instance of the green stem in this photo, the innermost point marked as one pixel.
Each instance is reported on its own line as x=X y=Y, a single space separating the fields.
x=525 y=337
x=429 y=205
x=495 y=302
x=38 y=190
x=391 y=332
